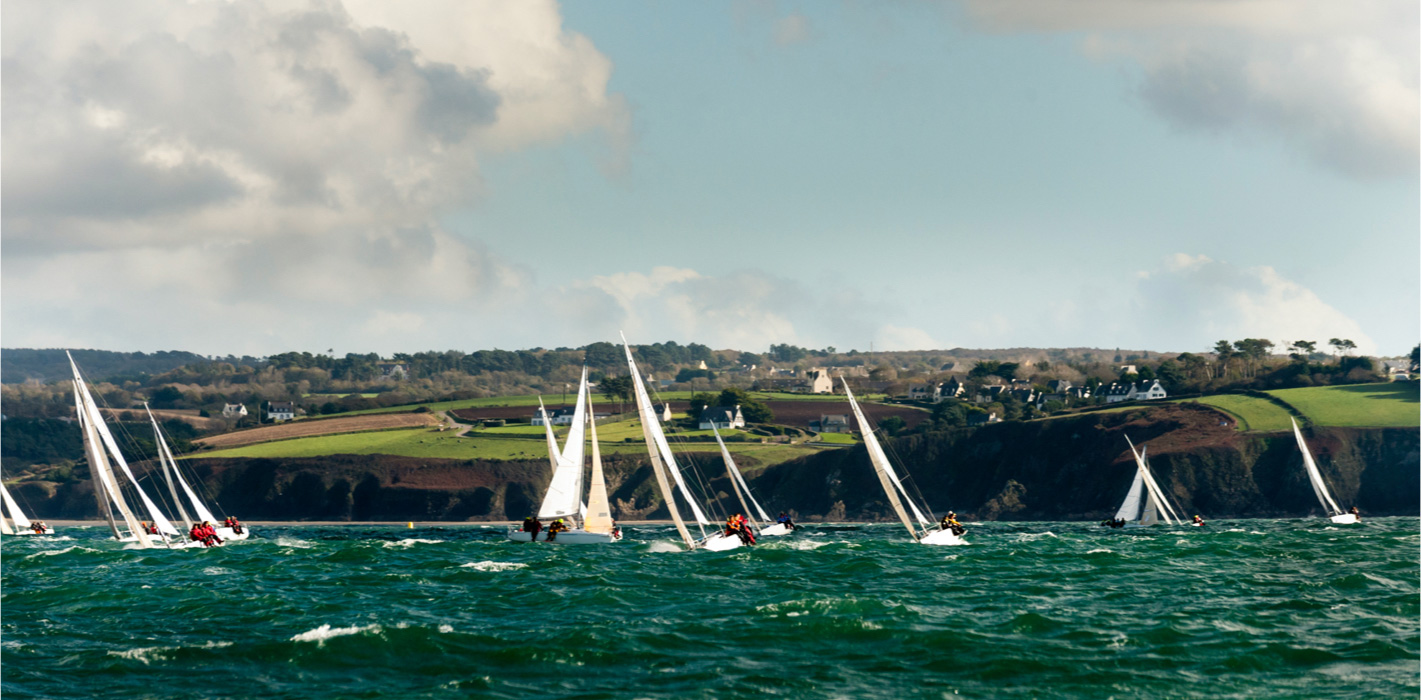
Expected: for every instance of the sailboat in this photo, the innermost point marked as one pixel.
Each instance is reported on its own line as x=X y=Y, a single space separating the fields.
x=765 y=526
x=1145 y=504
x=1319 y=487
x=174 y=478
x=14 y=522
x=662 y=461
x=99 y=446
x=564 y=497
x=923 y=532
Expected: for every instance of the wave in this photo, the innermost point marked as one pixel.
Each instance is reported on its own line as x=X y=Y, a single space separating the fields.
x=320 y=634
x=294 y=543
x=410 y=542
x=1100 y=551
x=66 y=550
x=148 y=655
x=494 y=565
x=1033 y=536
x=662 y=547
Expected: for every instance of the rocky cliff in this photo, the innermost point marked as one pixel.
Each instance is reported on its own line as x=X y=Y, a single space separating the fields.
x=1063 y=469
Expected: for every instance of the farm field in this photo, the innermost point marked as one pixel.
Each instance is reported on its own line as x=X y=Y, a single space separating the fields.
x=598 y=400
x=1357 y=405
x=444 y=445
x=298 y=429
x=1249 y=413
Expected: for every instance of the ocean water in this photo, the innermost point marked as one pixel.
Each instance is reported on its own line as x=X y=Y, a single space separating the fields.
x=1239 y=609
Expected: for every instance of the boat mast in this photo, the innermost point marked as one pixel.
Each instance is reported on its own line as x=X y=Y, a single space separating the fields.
x=879 y=467
x=648 y=430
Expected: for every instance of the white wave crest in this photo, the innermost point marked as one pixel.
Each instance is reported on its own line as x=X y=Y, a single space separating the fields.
x=662 y=547
x=1033 y=536
x=493 y=565
x=66 y=550
x=148 y=655
x=1100 y=551
x=325 y=632
x=803 y=545
x=409 y=542
x=294 y=542
x=217 y=571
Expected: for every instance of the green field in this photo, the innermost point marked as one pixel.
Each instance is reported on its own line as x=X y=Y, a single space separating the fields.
x=1358 y=405
x=420 y=442
x=837 y=438
x=1250 y=414
x=598 y=400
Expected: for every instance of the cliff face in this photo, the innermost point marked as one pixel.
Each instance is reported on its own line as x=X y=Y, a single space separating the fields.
x=1080 y=468
x=1064 y=469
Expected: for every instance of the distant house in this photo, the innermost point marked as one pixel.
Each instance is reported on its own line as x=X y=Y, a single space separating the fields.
x=1079 y=392
x=988 y=394
x=1117 y=392
x=281 y=410
x=950 y=389
x=233 y=410
x=1044 y=399
x=921 y=392
x=1128 y=369
x=393 y=370
x=818 y=381
x=1059 y=386
x=722 y=417
x=560 y=416
x=1026 y=395
x=666 y=412
x=833 y=424
x=982 y=418
x=1149 y=392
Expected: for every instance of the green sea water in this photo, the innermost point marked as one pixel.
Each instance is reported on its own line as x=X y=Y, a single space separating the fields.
x=1239 y=609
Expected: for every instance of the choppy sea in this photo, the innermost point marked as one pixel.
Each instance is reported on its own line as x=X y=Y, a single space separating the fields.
x=1238 y=609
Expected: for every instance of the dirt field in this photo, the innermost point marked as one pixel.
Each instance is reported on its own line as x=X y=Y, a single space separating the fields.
x=320 y=427
x=189 y=417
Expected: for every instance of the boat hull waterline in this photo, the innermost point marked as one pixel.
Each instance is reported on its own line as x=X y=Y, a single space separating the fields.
x=570 y=536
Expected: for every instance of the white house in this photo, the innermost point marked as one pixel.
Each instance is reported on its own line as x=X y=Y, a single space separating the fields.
x=281 y=410
x=393 y=370
x=1118 y=392
x=921 y=392
x=1149 y=393
x=666 y=412
x=560 y=416
x=833 y=424
x=818 y=381
x=722 y=417
x=950 y=389
x=233 y=410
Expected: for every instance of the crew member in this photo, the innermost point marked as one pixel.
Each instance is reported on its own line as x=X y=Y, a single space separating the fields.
x=1356 y=512
x=1198 y=520
x=786 y=521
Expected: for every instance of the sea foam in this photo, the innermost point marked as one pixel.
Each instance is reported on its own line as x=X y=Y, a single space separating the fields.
x=325 y=632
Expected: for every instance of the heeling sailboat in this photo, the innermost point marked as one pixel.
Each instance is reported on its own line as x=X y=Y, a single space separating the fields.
x=1145 y=503
x=923 y=532
x=765 y=526
x=563 y=499
x=14 y=522
x=1319 y=487
x=174 y=478
x=99 y=446
x=662 y=462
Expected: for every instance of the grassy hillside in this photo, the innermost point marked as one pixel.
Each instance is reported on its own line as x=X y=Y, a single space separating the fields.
x=598 y=400
x=1393 y=405
x=444 y=445
x=1249 y=413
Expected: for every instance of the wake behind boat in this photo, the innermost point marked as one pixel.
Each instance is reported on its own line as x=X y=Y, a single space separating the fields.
x=923 y=532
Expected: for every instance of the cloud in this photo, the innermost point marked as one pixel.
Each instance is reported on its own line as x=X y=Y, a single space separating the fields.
x=1337 y=80
x=252 y=176
x=1193 y=300
x=792 y=29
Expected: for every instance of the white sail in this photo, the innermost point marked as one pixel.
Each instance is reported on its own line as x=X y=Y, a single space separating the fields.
x=1165 y=505
x=737 y=479
x=650 y=429
x=553 y=451
x=1319 y=487
x=16 y=514
x=1155 y=495
x=598 y=515
x=565 y=491
x=886 y=476
x=5 y=528
x=1130 y=509
x=154 y=513
x=99 y=466
x=165 y=451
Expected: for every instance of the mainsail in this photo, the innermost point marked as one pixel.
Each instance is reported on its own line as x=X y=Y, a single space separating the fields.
x=892 y=486
x=171 y=473
x=99 y=466
x=1130 y=509
x=737 y=481
x=565 y=492
x=21 y=522
x=1156 y=501
x=651 y=430
x=1319 y=487
x=599 y=513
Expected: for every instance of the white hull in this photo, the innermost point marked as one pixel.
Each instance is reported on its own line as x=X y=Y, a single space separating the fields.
x=27 y=531
x=720 y=543
x=776 y=530
x=942 y=538
x=157 y=542
x=1345 y=519
x=573 y=536
x=225 y=534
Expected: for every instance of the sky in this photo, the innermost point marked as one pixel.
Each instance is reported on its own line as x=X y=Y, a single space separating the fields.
x=365 y=176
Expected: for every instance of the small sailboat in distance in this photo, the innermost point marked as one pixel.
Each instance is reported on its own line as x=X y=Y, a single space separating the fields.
x=14 y=522
x=1144 y=504
x=765 y=526
x=1319 y=487
x=923 y=532
x=174 y=478
x=563 y=499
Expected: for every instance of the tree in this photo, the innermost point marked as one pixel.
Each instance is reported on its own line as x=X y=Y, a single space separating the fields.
x=1342 y=346
x=166 y=397
x=699 y=402
x=892 y=425
x=750 y=359
x=618 y=388
x=1416 y=358
x=1301 y=349
x=752 y=410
